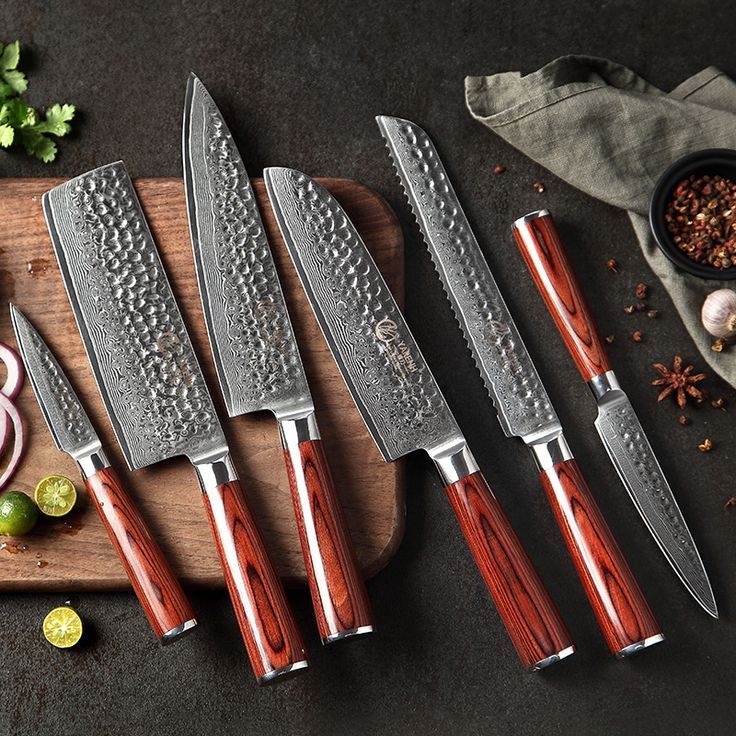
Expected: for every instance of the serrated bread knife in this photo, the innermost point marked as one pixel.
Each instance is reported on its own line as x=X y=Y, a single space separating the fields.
x=153 y=581
x=617 y=424
x=401 y=402
x=523 y=405
x=257 y=358
x=155 y=393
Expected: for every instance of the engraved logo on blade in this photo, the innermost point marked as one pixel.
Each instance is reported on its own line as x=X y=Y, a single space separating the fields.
x=387 y=331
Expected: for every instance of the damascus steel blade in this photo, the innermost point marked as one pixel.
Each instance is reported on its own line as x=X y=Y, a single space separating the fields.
x=136 y=341
x=523 y=405
x=67 y=421
x=253 y=344
x=386 y=373
x=634 y=459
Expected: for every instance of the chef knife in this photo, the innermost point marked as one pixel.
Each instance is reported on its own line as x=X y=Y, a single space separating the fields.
x=617 y=424
x=401 y=402
x=524 y=407
x=154 y=391
x=257 y=357
x=153 y=581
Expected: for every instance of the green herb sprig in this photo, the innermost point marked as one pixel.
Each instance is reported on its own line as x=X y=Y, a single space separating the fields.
x=20 y=123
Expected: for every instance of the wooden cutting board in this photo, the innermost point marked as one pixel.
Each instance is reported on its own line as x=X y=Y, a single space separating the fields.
x=74 y=554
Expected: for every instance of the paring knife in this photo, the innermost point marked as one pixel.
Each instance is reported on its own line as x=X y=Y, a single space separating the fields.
x=153 y=581
x=524 y=407
x=154 y=391
x=257 y=357
x=401 y=402
x=617 y=424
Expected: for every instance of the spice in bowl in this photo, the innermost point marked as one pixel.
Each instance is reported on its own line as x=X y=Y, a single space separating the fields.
x=700 y=217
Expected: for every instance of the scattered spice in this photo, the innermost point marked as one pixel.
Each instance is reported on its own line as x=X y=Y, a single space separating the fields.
x=731 y=502
x=705 y=446
x=683 y=420
x=609 y=339
x=718 y=404
x=652 y=313
x=637 y=336
x=498 y=169
x=629 y=309
x=641 y=307
x=700 y=217
x=718 y=345
x=642 y=291
x=612 y=265
x=539 y=186
x=679 y=381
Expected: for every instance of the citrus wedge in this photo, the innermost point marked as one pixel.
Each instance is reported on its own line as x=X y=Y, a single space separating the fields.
x=62 y=627
x=55 y=495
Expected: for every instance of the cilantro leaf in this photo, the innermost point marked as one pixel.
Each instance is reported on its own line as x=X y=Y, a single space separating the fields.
x=9 y=74
x=56 y=121
x=37 y=144
x=7 y=134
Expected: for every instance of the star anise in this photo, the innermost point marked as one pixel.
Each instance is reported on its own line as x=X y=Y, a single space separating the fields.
x=678 y=380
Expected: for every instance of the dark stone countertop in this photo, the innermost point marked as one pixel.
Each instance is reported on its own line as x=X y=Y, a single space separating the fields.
x=299 y=84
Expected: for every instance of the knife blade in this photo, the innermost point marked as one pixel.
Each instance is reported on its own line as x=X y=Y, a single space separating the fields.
x=154 y=583
x=154 y=391
x=524 y=407
x=617 y=424
x=257 y=357
x=401 y=403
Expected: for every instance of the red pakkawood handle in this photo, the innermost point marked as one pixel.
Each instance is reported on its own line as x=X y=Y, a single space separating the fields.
x=623 y=613
x=339 y=597
x=540 y=245
x=531 y=618
x=153 y=581
x=272 y=639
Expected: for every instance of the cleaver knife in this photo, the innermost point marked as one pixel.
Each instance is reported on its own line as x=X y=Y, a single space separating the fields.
x=154 y=391
x=153 y=581
x=401 y=402
x=257 y=357
x=617 y=424
x=524 y=407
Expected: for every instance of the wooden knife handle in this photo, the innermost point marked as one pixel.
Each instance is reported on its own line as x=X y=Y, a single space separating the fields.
x=619 y=605
x=270 y=633
x=545 y=256
x=339 y=597
x=531 y=618
x=153 y=581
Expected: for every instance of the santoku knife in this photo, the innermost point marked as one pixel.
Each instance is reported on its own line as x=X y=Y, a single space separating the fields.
x=401 y=402
x=257 y=358
x=617 y=424
x=524 y=408
x=153 y=581
x=154 y=391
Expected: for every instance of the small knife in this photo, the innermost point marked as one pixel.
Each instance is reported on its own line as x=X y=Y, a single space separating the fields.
x=257 y=358
x=401 y=402
x=524 y=407
x=153 y=581
x=617 y=424
x=154 y=391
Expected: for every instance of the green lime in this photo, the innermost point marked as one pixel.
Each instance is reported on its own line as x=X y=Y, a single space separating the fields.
x=18 y=514
x=55 y=495
x=62 y=627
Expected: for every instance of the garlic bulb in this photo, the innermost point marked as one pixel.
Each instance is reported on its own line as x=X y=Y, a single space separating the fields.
x=719 y=313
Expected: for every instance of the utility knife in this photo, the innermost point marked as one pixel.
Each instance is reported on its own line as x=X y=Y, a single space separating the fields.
x=402 y=404
x=257 y=357
x=524 y=407
x=617 y=424
x=154 y=390
x=153 y=581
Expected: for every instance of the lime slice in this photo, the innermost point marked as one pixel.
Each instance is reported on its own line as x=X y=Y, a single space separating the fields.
x=62 y=627
x=18 y=514
x=55 y=495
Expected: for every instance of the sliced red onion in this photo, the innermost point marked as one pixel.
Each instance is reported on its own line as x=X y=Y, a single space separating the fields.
x=11 y=387
x=10 y=409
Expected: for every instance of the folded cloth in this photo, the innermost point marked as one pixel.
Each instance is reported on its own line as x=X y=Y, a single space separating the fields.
x=605 y=130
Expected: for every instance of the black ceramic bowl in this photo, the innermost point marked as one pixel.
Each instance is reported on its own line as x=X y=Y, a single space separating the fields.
x=711 y=161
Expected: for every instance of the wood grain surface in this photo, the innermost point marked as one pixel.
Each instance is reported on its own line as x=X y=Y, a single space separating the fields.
x=75 y=554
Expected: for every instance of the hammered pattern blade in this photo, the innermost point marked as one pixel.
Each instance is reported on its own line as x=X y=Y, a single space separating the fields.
x=523 y=405
x=67 y=420
x=131 y=327
x=253 y=344
x=381 y=363
x=634 y=459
